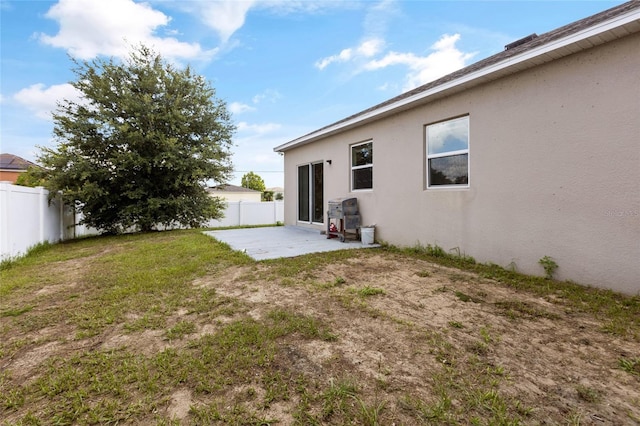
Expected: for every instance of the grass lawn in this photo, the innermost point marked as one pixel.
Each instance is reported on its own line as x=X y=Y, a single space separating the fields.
x=174 y=328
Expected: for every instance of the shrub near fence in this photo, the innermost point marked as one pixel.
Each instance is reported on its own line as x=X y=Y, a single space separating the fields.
x=27 y=218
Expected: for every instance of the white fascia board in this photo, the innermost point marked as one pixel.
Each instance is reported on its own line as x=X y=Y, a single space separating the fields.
x=587 y=33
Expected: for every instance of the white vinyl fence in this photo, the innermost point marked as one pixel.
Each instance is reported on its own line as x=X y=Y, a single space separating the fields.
x=240 y=213
x=27 y=218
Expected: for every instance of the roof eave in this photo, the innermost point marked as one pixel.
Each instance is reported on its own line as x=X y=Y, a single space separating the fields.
x=617 y=27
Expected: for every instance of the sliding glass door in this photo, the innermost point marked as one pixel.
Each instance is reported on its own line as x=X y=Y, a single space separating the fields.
x=310 y=193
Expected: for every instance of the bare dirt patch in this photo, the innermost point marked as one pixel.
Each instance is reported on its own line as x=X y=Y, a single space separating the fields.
x=180 y=405
x=547 y=357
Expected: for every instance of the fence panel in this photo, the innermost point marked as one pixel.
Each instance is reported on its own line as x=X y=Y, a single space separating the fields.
x=240 y=213
x=27 y=218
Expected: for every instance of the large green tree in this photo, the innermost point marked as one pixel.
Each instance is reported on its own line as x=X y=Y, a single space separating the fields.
x=138 y=148
x=252 y=181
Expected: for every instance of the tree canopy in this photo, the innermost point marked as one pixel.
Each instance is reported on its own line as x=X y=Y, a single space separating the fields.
x=138 y=148
x=30 y=178
x=253 y=181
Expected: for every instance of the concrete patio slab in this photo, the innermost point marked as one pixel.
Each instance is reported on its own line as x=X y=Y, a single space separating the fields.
x=282 y=241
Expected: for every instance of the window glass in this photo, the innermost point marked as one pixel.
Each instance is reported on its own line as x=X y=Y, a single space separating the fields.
x=310 y=193
x=317 y=202
x=303 y=193
x=452 y=135
x=362 y=166
x=448 y=153
x=362 y=154
x=452 y=170
x=363 y=178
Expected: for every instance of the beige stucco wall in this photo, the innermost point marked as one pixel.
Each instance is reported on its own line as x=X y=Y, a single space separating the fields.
x=554 y=171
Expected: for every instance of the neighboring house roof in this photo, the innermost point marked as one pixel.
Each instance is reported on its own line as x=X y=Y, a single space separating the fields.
x=230 y=188
x=603 y=27
x=10 y=162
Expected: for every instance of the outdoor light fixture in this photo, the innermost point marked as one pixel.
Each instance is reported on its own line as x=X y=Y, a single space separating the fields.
x=329 y=161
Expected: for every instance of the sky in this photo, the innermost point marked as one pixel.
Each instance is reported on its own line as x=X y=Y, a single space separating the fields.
x=284 y=68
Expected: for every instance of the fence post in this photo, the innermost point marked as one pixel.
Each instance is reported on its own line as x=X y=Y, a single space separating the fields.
x=61 y=237
x=41 y=209
x=239 y=212
x=5 y=235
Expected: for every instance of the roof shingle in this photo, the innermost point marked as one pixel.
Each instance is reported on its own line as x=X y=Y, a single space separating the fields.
x=13 y=162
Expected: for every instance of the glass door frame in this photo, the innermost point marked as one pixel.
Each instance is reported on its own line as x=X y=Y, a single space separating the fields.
x=311 y=190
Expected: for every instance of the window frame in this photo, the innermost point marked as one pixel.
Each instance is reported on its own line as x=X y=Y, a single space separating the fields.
x=453 y=153
x=360 y=167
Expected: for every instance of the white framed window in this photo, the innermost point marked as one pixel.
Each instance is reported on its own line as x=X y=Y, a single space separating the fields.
x=362 y=166
x=447 y=148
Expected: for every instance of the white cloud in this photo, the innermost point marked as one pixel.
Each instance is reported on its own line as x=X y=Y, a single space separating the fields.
x=444 y=59
x=286 y=7
x=377 y=19
x=268 y=95
x=239 y=107
x=267 y=157
x=225 y=17
x=366 y=49
x=90 y=28
x=258 y=129
x=343 y=56
x=43 y=101
x=369 y=48
x=375 y=25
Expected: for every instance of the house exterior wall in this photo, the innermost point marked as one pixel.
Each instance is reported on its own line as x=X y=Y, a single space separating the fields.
x=554 y=170
x=9 y=176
